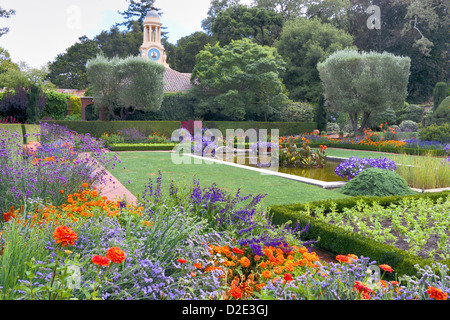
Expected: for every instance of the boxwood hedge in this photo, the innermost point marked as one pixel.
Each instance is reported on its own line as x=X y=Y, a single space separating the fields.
x=339 y=241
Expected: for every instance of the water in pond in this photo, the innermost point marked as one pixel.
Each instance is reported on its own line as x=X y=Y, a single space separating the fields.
x=327 y=173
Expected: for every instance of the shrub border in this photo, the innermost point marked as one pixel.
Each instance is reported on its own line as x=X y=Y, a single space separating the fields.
x=339 y=241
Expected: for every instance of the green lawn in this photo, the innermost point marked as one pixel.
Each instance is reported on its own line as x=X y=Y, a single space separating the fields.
x=140 y=166
x=404 y=158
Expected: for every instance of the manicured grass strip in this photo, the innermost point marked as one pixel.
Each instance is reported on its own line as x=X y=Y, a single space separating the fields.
x=143 y=147
x=140 y=166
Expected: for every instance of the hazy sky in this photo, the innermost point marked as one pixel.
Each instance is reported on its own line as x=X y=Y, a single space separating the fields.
x=41 y=29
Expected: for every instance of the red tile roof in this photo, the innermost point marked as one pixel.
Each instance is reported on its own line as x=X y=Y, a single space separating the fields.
x=175 y=81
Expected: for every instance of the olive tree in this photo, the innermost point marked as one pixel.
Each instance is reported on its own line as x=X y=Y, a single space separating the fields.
x=126 y=85
x=362 y=84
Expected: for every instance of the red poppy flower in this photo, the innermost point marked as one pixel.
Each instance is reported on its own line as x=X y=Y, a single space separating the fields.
x=181 y=261
x=238 y=251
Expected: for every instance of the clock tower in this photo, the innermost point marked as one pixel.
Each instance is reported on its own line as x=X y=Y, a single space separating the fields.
x=152 y=48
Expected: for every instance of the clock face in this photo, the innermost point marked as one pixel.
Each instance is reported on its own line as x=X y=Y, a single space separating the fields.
x=154 y=54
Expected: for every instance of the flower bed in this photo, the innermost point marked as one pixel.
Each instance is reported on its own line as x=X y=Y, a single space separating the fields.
x=175 y=244
x=201 y=243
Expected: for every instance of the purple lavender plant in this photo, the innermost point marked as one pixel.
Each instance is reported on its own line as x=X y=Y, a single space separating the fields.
x=351 y=167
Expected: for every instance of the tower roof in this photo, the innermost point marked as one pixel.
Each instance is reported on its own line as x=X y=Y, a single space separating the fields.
x=153 y=14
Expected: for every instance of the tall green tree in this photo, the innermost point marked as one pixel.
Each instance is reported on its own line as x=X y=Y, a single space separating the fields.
x=288 y=9
x=6 y=63
x=417 y=29
x=23 y=75
x=215 y=7
x=302 y=44
x=120 y=43
x=5 y=14
x=186 y=50
x=136 y=12
x=239 y=21
x=123 y=86
x=362 y=84
x=68 y=71
x=239 y=81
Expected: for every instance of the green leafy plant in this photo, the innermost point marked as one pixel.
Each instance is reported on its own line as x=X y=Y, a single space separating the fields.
x=377 y=182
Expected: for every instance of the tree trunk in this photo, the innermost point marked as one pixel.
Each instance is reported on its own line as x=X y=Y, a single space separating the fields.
x=364 y=121
x=354 y=120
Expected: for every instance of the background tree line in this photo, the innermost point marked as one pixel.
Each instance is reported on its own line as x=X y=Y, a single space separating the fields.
x=304 y=33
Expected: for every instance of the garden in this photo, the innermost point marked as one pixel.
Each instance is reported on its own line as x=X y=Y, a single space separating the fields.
x=205 y=239
x=334 y=186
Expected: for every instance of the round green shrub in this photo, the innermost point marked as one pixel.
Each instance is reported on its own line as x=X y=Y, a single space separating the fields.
x=377 y=182
x=57 y=105
x=408 y=125
x=436 y=133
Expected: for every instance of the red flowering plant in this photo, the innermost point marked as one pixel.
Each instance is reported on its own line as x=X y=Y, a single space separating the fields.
x=114 y=255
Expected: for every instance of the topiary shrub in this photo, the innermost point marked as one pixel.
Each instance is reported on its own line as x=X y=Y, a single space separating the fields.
x=439 y=94
x=75 y=105
x=442 y=113
x=377 y=182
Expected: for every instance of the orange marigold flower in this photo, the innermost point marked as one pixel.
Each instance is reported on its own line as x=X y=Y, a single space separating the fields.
x=267 y=274
x=181 y=261
x=236 y=292
x=342 y=258
x=256 y=258
x=100 y=261
x=65 y=236
x=385 y=267
x=61 y=191
x=238 y=251
x=85 y=185
x=198 y=265
x=288 y=277
x=436 y=294
x=245 y=262
x=192 y=274
x=116 y=255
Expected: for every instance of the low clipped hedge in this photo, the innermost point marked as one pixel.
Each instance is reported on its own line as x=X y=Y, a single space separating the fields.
x=97 y=128
x=411 y=151
x=142 y=147
x=339 y=241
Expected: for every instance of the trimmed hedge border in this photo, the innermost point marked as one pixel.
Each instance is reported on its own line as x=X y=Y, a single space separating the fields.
x=410 y=151
x=97 y=128
x=339 y=241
